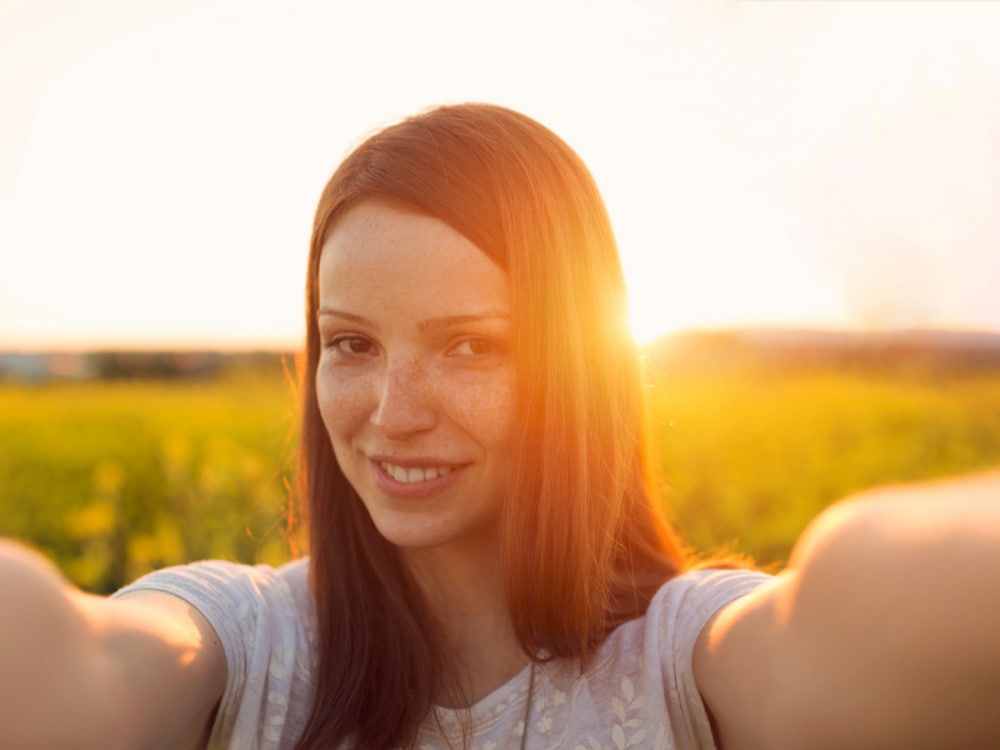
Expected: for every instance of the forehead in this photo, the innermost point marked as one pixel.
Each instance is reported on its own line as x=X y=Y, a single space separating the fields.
x=379 y=256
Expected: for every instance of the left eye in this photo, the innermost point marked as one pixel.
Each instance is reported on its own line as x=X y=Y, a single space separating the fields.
x=473 y=348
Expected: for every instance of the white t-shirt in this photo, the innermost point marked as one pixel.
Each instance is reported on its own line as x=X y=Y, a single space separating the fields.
x=638 y=691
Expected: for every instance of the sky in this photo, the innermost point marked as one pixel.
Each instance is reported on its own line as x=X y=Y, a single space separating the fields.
x=796 y=163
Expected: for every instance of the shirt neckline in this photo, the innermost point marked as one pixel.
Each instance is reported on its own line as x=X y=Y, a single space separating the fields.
x=497 y=701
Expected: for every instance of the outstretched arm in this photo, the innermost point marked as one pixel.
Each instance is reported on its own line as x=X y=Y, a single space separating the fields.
x=79 y=671
x=883 y=633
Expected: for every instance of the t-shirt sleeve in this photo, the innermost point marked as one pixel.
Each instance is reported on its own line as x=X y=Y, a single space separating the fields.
x=677 y=615
x=260 y=615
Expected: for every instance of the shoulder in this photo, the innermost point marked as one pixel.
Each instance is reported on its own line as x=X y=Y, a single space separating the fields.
x=264 y=618
x=642 y=679
x=222 y=577
x=242 y=603
x=678 y=615
x=224 y=591
x=684 y=604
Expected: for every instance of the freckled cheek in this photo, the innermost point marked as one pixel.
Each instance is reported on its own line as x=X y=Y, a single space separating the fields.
x=487 y=410
x=343 y=404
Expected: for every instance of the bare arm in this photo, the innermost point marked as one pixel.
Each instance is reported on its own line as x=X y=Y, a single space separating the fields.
x=79 y=671
x=882 y=634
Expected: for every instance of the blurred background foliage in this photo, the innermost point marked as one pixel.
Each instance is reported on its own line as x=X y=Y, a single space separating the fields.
x=113 y=478
x=747 y=462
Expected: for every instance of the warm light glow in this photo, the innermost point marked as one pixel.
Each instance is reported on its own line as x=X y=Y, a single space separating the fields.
x=709 y=300
x=158 y=172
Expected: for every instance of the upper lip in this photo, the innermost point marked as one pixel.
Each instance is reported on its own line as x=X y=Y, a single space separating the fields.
x=413 y=462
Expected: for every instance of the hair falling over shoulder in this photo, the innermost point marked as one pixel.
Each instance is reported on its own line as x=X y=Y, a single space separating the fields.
x=584 y=547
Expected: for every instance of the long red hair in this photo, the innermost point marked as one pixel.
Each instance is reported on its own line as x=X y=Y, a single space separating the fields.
x=584 y=547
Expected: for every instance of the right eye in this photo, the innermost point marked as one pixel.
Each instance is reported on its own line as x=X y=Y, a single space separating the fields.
x=350 y=346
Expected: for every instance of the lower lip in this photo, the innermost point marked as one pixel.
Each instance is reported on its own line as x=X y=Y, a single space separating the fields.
x=413 y=490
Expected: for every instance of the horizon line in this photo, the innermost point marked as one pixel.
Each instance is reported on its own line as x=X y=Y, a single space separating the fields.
x=278 y=347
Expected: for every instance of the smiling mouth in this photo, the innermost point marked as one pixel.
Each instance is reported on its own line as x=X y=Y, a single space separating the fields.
x=414 y=474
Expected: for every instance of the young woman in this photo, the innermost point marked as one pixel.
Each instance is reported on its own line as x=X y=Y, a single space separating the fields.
x=488 y=568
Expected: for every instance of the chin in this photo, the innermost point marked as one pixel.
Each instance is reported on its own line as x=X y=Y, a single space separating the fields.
x=425 y=534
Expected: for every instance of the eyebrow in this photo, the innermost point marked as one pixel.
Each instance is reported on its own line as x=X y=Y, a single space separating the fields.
x=345 y=315
x=430 y=324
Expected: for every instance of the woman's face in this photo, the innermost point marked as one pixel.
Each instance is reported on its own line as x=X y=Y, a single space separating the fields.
x=415 y=381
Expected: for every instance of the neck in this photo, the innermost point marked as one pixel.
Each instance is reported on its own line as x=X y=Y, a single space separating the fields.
x=464 y=588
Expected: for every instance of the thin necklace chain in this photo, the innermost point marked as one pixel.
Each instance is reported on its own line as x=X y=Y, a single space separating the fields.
x=527 y=707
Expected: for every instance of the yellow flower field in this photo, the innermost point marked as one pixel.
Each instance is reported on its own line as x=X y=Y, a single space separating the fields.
x=112 y=479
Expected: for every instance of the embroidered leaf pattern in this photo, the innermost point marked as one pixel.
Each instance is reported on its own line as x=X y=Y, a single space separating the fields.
x=627 y=689
x=618 y=736
x=636 y=738
x=618 y=708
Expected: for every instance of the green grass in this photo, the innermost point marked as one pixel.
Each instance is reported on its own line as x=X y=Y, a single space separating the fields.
x=114 y=479
x=748 y=461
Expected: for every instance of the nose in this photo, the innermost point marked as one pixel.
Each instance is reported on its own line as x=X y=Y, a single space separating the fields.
x=405 y=402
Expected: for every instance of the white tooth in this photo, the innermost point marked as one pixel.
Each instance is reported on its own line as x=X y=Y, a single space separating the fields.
x=414 y=474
